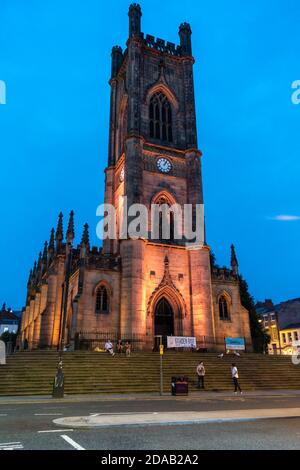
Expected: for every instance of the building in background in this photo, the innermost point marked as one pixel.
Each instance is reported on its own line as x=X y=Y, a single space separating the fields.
x=9 y=321
x=282 y=323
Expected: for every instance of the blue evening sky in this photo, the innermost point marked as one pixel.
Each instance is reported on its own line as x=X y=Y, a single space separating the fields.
x=55 y=61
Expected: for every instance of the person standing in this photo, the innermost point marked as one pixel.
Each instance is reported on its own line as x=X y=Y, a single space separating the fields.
x=201 y=375
x=235 y=378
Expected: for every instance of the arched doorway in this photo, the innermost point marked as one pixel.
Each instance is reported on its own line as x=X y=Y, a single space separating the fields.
x=164 y=320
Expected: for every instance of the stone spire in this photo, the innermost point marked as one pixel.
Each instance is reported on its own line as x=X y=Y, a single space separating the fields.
x=234 y=261
x=116 y=60
x=29 y=279
x=71 y=231
x=39 y=267
x=59 y=236
x=4 y=307
x=185 y=34
x=34 y=273
x=85 y=242
x=135 y=15
x=39 y=264
x=85 y=236
x=51 y=246
x=45 y=253
x=45 y=258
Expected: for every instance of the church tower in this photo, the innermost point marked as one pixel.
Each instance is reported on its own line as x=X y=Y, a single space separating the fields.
x=154 y=159
x=153 y=283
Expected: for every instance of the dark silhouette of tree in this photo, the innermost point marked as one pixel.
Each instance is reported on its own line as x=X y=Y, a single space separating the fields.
x=259 y=338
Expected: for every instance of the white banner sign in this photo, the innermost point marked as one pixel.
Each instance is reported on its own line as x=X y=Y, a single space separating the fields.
x=181 y=342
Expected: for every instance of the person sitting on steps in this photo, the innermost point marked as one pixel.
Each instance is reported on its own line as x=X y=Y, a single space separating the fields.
x=109 y=348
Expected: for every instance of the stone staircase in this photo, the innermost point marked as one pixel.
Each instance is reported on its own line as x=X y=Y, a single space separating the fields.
x=32 y=373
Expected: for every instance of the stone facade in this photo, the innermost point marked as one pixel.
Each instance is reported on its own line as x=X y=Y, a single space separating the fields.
x=136 y=289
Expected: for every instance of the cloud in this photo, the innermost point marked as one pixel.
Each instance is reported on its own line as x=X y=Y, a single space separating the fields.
x=285 y=218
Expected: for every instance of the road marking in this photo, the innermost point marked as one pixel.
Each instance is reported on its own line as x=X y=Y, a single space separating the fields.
x=11 y=446
x=3 y=415
x=72 y=443
x=47 y=414
x=55 y=430
x=8 y=443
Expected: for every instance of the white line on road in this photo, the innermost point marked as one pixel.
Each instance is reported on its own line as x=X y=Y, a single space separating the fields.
x=8 y=443
x=3 y=415
x=55 y=430
x=11 y=446
x=72 y=443
x=47 y=414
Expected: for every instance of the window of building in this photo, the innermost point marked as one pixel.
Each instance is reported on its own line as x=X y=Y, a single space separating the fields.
x=223 y=308
x=296 y=336
x=290 y=336
x=102 y=300
x=160 y=113
x=283 y=337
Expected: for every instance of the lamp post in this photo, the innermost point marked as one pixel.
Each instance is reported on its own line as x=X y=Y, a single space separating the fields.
x=58 y=385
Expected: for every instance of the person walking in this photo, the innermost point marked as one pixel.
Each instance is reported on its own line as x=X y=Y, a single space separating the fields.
x=201 y=375
x=235 y=378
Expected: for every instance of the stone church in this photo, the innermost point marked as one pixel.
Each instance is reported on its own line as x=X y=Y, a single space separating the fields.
x=137 y=289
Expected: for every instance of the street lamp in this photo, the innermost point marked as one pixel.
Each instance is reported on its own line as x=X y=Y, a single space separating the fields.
x=58 y=385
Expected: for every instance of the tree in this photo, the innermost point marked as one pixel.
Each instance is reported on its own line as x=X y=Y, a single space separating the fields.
x=213 y=261
x=8 y=337
x=259 y=338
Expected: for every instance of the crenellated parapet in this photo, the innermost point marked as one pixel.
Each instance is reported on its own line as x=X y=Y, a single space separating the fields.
x=162 y=46
x=224 y=274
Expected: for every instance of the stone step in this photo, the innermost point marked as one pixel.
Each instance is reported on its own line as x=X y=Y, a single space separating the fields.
x=32 y=373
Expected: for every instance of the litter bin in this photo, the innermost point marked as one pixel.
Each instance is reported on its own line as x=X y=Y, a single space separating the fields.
x=180 y=386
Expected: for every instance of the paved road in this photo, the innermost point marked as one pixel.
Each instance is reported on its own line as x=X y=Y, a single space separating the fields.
x=31 y=427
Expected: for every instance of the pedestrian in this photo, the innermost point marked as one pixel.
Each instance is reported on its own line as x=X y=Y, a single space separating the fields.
x=128 y=349
x=201 y=375
x=235 y=378
x=109 y=348
x=120 y=346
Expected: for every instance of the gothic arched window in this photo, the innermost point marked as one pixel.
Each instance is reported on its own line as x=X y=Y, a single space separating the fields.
x=223 y=308
x=102 y=305
x=160 y=113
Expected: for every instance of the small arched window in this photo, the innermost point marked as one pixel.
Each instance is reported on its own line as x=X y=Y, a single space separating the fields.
x=102 y=303
x=223 y=308
x=160 y=113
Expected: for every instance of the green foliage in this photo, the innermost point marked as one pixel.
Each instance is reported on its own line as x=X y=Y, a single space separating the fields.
x=259 y=337
x=9 y=338
x=213 y=261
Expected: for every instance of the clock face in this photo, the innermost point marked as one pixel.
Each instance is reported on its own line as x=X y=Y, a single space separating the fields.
x=164 y=165
x=122 y=175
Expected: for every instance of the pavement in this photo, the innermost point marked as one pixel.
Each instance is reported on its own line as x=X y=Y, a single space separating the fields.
x=39 y=399
x=255 y=420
